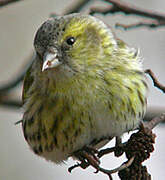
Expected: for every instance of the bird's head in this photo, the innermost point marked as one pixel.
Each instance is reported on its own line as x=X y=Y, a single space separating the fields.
x=73 y=43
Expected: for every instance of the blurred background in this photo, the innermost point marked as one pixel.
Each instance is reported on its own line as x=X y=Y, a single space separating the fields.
x=18 y=24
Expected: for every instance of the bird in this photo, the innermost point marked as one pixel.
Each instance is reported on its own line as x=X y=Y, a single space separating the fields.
x=84 y=87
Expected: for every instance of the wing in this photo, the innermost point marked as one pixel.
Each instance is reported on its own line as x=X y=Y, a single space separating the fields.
x=28 y=80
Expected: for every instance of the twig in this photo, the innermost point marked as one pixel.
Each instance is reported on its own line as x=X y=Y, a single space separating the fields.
x=149 y=24
x=107 y=10
x=155 y=81
x=130 y=9
x=154 y=111
x=150 y=125
x=110 y=150
x=155 y=121
x=11 y=104
x=76 y=6
x=7 y=2
x=88 y=160
x=123 y=166
x=14 y=82
x=140 y=145
x=18 y=122
x=137 y=150
x=106 y=151
x=158 y=19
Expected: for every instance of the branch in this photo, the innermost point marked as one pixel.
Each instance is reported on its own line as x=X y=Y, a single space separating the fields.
x=148 y=24
x=158 y=19
x=137 y=149
x=14 y=82
x=5 y=90
x=7 y=2
x=153 y=111
x=11 y=104
x=130 y=9
x=77 y=6
x=155 y=80
x=155 y=121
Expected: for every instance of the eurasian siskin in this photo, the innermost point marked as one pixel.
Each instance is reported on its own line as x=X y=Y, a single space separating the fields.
x=84 y=88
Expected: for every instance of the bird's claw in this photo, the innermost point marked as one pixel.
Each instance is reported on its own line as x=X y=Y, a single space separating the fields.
x=73 y=167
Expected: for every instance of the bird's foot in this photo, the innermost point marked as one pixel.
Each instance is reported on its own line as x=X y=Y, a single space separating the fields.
x=118 y=149
x=87 y=157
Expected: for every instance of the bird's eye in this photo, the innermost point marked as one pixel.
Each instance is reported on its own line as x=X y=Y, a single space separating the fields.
x=70 y=40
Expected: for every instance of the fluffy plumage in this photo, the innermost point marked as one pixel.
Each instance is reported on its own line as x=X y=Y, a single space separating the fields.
x=83 y=87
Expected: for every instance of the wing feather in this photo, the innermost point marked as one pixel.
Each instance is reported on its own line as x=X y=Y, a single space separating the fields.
x=28 y=80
